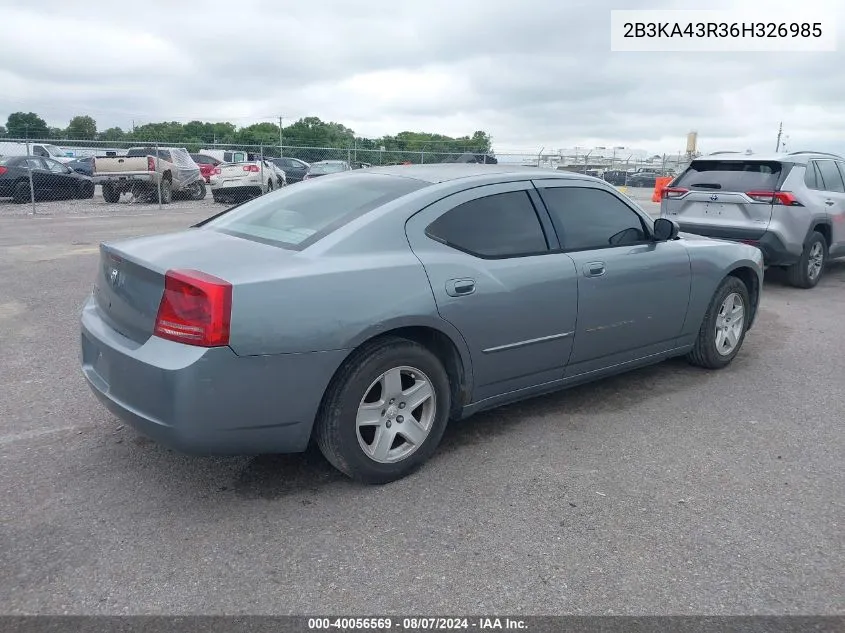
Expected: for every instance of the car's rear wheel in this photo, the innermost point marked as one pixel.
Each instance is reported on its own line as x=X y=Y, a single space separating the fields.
x=808 y=271
x=269 y=185
x=197 y=190
x=166 y=188
x=22 y=192
x=723 y=329
x=385 y=412
x=110 y=193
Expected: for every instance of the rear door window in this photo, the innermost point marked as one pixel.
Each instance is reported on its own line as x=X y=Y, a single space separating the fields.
x=831 y=176
x=501 y=225
x=731 y=175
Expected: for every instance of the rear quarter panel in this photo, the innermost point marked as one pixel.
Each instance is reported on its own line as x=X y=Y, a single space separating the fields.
x=330 y=303
x=711 y=261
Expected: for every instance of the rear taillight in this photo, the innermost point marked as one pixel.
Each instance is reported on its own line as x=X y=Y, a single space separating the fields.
x=253 y=168
x=151 y=163
x=195 y=309
x=785 y=198
x=674 y=192
x=216 y=171
x=3 y=170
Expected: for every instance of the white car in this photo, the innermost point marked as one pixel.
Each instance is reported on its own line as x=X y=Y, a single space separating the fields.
x=236 y=182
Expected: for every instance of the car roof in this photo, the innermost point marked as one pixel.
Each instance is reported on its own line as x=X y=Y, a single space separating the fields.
x=443 y=172
x=800 y=158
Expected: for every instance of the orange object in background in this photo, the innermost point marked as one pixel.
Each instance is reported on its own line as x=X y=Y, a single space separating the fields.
x=659 y=185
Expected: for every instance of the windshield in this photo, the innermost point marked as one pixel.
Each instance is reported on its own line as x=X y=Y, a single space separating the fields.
x=52 y=150
x=327 y=168
x=299 y=216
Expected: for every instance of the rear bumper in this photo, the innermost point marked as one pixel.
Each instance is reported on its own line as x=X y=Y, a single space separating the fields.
x=205 y=401
x=128 y=180
x=238 y=191
x=775 y=251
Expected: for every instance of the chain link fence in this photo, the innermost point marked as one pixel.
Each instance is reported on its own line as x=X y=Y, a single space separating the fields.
x=49 y=176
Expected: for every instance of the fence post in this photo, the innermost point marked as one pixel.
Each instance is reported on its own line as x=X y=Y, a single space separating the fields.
x=31 y=185
x=158 y=178
x=31 y=190
x=261 y=166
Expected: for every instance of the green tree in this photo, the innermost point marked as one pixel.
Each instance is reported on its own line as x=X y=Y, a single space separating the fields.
x=82 y=127
x=2 y=130
x=113 y=134
x=26 y=125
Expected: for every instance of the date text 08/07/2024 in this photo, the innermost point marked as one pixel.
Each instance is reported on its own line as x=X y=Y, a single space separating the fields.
x=416 y=624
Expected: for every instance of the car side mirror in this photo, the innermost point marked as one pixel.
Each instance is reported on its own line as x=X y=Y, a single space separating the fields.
x=665 y=230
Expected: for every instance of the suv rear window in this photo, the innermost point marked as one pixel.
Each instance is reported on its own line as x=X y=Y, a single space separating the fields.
x=731 y=175
x=296 y=217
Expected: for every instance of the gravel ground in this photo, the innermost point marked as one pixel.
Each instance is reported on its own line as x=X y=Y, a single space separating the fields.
x=669 y=490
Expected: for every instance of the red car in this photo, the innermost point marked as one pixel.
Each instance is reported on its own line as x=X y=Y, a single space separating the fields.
x=206 y=165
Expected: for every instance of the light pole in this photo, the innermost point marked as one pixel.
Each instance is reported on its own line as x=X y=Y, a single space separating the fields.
x=281 y=137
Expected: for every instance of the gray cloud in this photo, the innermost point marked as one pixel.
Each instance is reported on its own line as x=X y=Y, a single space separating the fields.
x=533 y=74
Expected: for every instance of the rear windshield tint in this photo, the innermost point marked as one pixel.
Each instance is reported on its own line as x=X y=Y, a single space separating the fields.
x=298 y=216
x=731 y=175
x=327 y=168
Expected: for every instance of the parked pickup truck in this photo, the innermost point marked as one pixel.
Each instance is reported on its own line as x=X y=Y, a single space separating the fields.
x=146 y=170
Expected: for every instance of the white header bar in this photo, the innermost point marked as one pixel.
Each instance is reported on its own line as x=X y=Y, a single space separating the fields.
x=803 y=29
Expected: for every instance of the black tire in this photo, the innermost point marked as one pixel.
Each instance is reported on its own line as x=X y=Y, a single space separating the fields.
x=86 y=190
x=166 y=191
x=336 y=430
x=22 y=192
x=270 y=185
x=110 y=193
x=705 y=353
x=799 y=274
x=197 y=190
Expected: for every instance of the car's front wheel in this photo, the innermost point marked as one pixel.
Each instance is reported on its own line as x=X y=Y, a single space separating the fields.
x=723 y=328
x=385 y=412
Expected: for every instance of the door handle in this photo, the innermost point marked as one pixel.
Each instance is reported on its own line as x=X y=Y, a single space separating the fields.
x=594 y=269
x=460 y=287
x=829 y=203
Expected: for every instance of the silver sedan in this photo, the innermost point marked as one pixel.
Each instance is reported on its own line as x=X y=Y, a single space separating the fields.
x=371 y=307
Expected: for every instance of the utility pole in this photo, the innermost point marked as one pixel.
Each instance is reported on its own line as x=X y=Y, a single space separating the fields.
x=281 y=137
x=780 y=131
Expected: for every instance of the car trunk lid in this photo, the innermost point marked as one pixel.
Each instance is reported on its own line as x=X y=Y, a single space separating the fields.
x=131 y=275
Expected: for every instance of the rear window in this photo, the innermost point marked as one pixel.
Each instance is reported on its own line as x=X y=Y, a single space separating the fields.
x=163 y=154
x=296 y=217
x=731 y=175
x=327 y=168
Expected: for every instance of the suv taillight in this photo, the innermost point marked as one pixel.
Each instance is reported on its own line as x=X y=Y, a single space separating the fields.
x=251 y=168
x=195 y=309
x=785 y=198
x=674 y=192
x=3 y=170
x=151 y=163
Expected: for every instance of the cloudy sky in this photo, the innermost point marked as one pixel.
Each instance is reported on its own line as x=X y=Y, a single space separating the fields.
x=533 y=73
